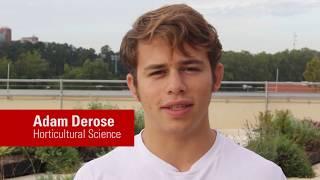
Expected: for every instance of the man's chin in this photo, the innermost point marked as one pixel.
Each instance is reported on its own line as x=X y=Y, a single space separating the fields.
x=177 y=129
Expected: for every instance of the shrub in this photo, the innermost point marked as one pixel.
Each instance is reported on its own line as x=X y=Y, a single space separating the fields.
x=6 y=150
x=289 y=156
x=138 y=121
x=301 y=132
x=59 y=159
x=304 y=134
x=89 y=153
x=98 y=105
x=284 y=139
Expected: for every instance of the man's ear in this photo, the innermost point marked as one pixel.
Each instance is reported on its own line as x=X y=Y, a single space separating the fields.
x=218 y=73
x=132 y=87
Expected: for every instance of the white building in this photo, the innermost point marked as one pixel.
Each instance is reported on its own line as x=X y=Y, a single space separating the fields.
x=32 y=39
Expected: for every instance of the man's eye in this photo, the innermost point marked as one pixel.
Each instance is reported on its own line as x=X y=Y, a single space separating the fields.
x=155 y=73
x=191 y=69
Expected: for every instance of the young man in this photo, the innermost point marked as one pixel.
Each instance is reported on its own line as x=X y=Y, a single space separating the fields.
x=173 y=57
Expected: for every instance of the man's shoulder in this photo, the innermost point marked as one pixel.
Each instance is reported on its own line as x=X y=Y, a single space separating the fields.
x=243 y=160
x=233 y=151
x=108 y=164
x=113 y=158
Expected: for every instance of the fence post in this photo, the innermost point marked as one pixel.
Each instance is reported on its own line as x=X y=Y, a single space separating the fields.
x=61 y=94
x=266 y=96
x=8 y=79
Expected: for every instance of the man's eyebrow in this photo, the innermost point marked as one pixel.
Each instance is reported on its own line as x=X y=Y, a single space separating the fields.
x=154 y=67
x=183 y=62
x=191 y=61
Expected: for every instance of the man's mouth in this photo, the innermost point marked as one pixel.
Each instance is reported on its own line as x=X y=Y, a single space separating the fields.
x=178 y=107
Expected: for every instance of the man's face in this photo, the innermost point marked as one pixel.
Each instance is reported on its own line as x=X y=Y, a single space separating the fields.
x=174 y=89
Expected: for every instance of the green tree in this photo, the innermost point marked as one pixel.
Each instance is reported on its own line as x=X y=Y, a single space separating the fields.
x=91 y=69
x=57 y=55
x=96 y=69
x=106 y=52
x=238 y=66
x=84 y=54
x=31 y=65
x=72 y=72
x=312 y=71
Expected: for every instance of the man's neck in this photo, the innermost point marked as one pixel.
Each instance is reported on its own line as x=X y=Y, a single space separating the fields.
x=180 y=151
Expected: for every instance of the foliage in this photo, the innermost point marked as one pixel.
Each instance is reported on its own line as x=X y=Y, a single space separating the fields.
x=102 y=151
x=70 y=62
x=72 y=72
x=89 y=153
x=27 y=151
x=244 y=66
x=6 y=150
x=106 y=52
x=138 y=121
x=31 y=65
x=279 y=149
x=55 y=55
x=98 y=105
x=312 y=72
x=96 y=69
x=298 y=131
x=91 y=69
x=59 y=159
x=284 y=139
x=4 y=67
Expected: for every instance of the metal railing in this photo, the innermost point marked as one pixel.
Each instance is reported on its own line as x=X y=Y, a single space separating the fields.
x=70 y=87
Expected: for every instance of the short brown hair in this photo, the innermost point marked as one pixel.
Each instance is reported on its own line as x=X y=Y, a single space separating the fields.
x=178 y=24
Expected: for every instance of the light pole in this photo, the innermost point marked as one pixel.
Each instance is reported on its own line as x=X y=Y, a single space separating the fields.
x=8 y=78
x=115 y=59
x=277 y=79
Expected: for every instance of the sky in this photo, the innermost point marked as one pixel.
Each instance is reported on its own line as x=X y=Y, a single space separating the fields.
x=250 y=25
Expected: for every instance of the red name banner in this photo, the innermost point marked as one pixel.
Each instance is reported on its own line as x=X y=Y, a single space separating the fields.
x=66 y=127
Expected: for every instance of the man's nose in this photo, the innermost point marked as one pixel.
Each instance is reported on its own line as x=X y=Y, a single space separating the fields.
x=176 y=84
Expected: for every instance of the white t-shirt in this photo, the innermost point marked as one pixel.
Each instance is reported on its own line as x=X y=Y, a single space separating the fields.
x=224 y=161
